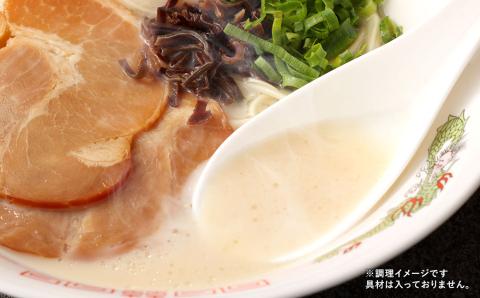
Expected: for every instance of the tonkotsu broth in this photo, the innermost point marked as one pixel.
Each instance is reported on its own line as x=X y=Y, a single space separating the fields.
x=275 y=200
x=263 y=211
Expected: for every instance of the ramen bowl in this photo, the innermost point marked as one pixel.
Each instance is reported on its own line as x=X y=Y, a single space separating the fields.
x=437 y=182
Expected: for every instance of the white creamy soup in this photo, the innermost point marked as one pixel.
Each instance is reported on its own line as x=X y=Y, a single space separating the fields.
x=266 y=209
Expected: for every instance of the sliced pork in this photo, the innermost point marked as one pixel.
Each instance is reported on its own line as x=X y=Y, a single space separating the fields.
x=162 y=159
x=68 y=114
x=4 y=32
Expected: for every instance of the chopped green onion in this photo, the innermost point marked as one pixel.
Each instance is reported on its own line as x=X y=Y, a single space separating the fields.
x=299 y=75
x=341 y=59
x=267 y=69
x=309 y=37
x=316 y=56
x=327 y=16
x=293 y=36
x=269 y=47
x=323 y=4
x=340 y=39
x=293 y=10
x=277 y=28
x=288 y=80
x=368 y=9
x=389 y=30
x=298 y=26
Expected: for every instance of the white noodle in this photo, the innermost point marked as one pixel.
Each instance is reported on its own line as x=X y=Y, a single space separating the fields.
x=258 y=95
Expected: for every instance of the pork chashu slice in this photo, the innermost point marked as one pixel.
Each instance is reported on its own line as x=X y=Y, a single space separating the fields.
x=4 y=31
x=67 y=112
x=163 y=158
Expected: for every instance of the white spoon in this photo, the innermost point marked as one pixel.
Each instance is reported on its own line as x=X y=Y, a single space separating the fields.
x=413 y=74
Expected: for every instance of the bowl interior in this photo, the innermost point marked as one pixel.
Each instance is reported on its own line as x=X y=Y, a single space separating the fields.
x=342 y=258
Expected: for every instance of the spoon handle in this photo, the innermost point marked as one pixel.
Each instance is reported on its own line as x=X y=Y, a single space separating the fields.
x=441 y=51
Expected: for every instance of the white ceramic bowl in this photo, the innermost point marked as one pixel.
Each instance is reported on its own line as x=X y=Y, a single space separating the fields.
x=419 y=202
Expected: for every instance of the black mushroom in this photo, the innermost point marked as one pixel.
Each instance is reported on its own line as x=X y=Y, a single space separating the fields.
x=186 y=46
